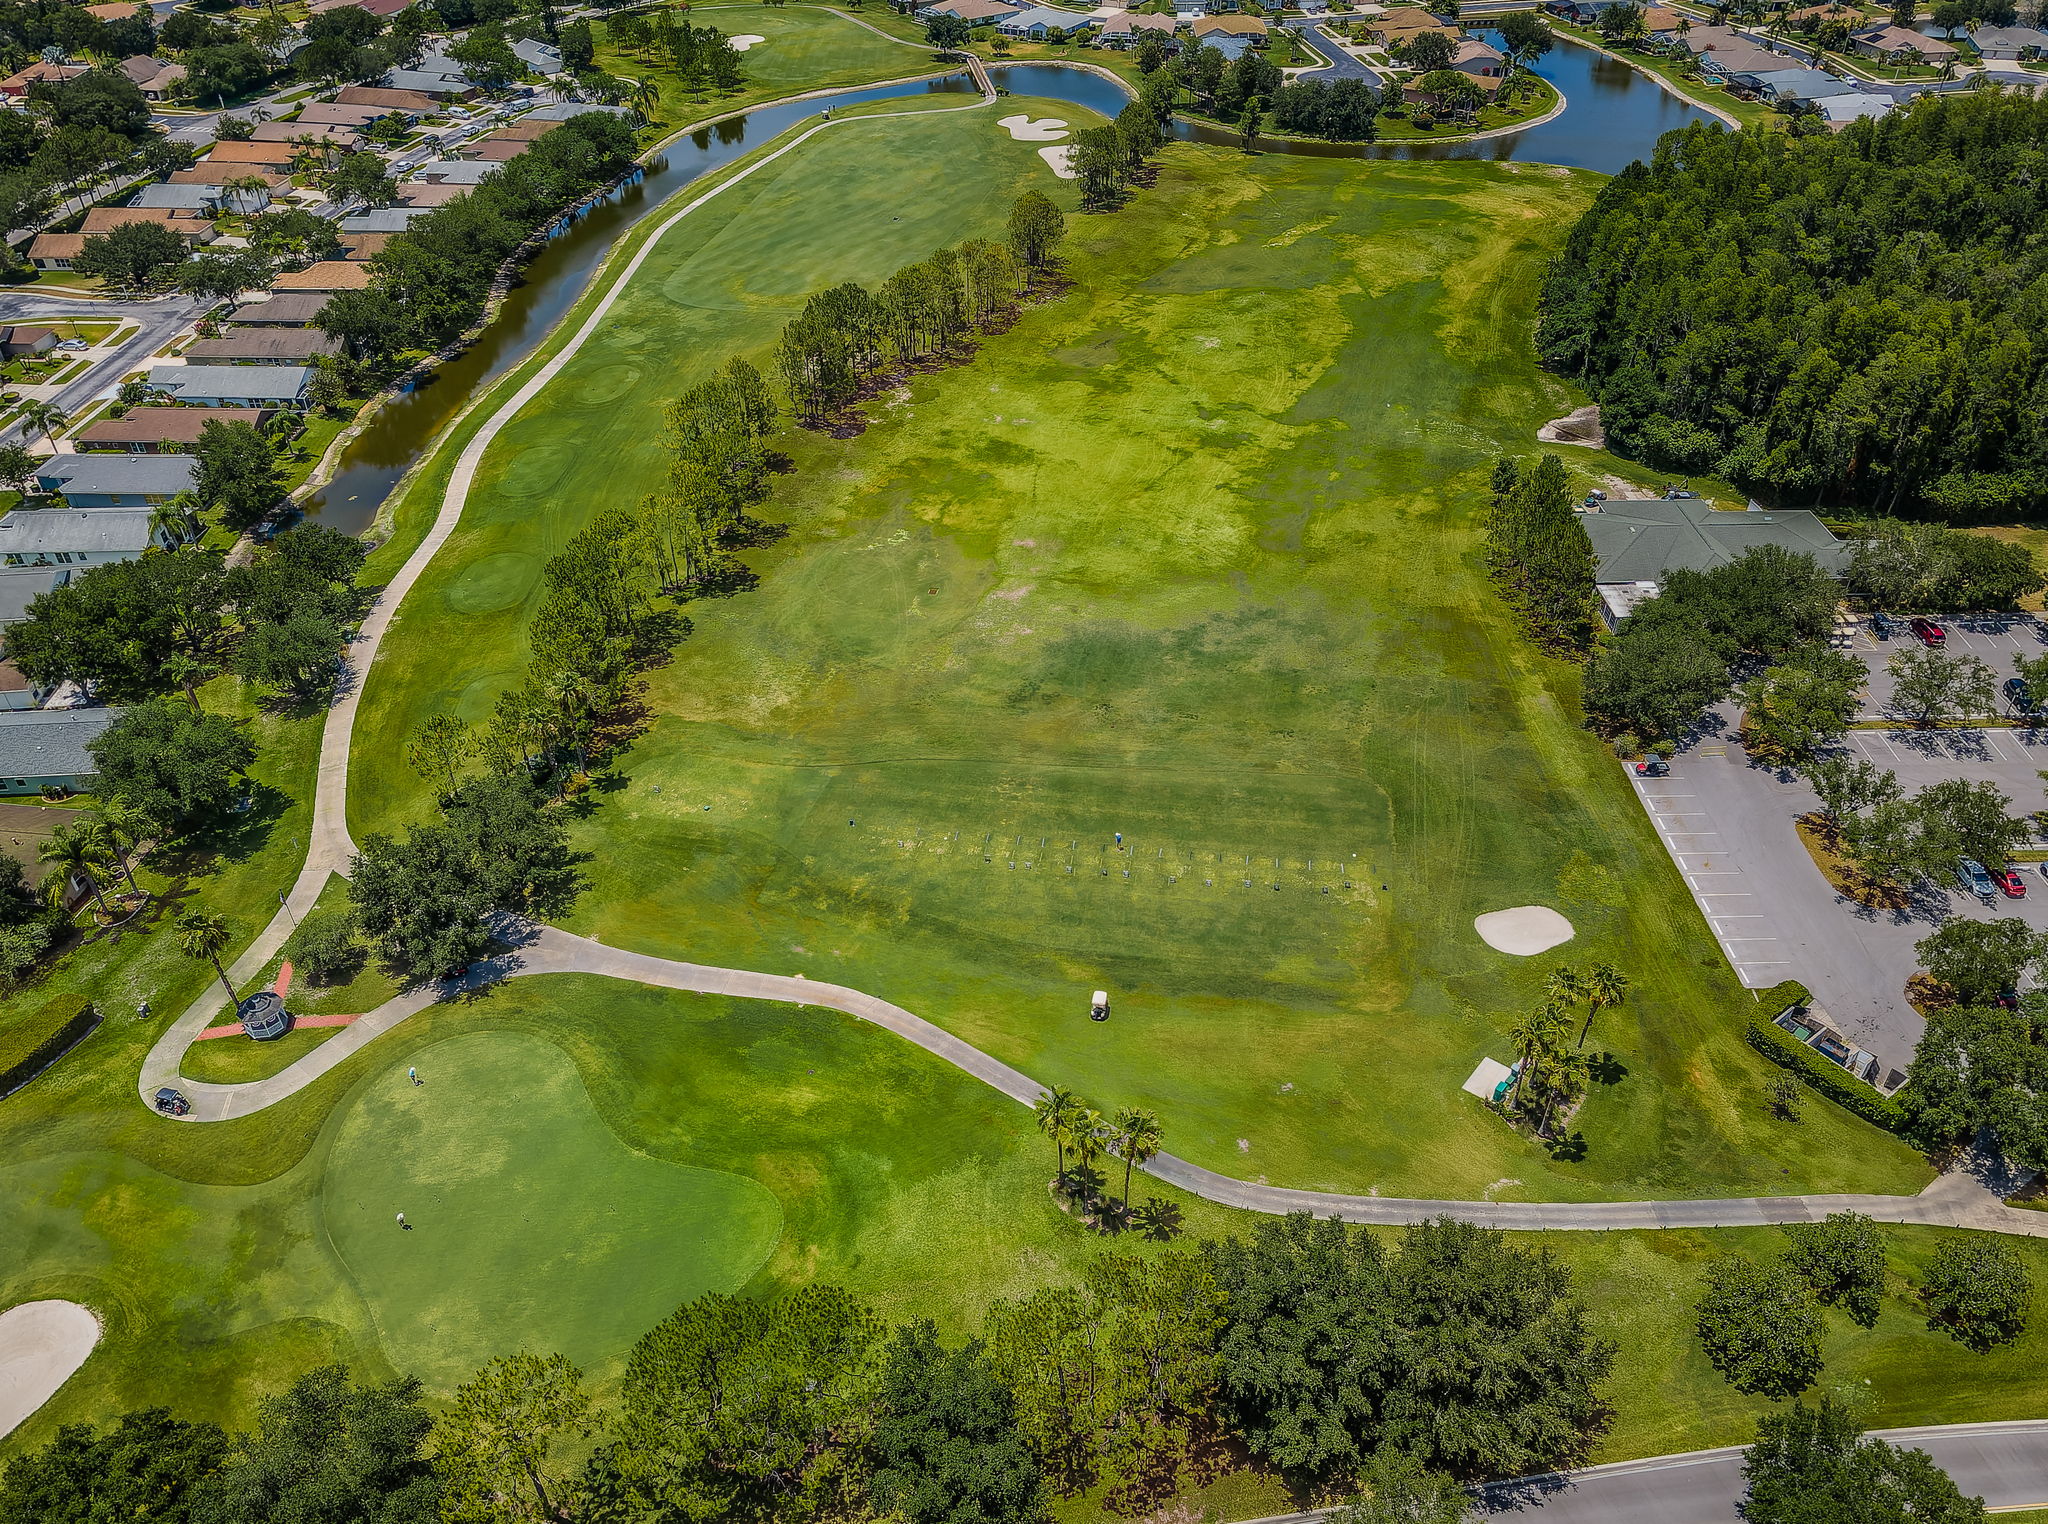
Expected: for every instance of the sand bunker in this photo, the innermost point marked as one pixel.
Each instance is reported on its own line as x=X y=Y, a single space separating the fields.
x=1524 y=931
x=1581 y=427
x=41 y=1344
x=1047 y=129
x=745 y=40
x=1062 y=161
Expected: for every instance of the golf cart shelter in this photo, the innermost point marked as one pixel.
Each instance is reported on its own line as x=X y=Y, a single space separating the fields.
x=1638 y=542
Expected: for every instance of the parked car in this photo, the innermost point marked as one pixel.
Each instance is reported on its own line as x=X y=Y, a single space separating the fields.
x=2009 y=883
x=1653 y=767
x=2016 y=695
x=1674 y=494
x=1930 y=633
x=1974 y=877
x=1883 y=626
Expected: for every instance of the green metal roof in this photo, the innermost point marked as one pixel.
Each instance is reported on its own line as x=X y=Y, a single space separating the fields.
x=1641 y=541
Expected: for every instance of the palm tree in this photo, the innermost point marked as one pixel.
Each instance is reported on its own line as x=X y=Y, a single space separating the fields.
x=201 y=935
x=188 y=672
x=234 y=189
x=645 y=96
x=125 y=827
x=43 y=418
x=1604 y=985
x=1084 y=1134
x=1137 y=1139
x=1565 y=986
x=1536 y=1037
x=1568 y=1069
x=76 y=851
x=1052 y=1109
x=176 y=519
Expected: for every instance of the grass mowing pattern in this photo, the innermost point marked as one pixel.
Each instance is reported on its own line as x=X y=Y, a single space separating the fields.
x=1188 y=555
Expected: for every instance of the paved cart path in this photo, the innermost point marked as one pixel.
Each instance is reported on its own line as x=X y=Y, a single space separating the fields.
x=1961 y=1198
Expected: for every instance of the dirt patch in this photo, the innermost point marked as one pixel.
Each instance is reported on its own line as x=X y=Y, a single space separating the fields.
x=1581 y=427
x=1842 y=874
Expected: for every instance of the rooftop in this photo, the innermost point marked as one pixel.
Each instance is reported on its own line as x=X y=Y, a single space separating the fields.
x=327 y=275
x=245 y=343
x=262 y=383
x=1645 y=540
x=50 y=743
x=48 y=531
x=77 y=474
x=165 y=425
x=291 y=307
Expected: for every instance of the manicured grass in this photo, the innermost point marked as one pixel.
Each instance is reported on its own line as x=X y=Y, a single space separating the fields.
x=237 y=1060
x=804 y=48
x=1148 y=567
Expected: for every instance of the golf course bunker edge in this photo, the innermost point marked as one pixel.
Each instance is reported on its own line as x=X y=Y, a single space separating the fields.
x=41 y=1345
x=1523 y=931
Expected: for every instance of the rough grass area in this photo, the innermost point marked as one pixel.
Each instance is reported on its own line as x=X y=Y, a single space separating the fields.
x=1145 y=566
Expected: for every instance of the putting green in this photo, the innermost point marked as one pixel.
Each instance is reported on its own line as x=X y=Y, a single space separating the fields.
x=532 y=1225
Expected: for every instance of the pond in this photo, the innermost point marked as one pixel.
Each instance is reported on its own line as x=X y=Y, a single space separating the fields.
x=1614 y=115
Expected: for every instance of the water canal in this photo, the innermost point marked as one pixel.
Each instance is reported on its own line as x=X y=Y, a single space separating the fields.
x=1614 y=115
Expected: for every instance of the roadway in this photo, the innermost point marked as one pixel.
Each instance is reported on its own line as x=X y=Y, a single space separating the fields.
x=161 y=320
x=1341 y=64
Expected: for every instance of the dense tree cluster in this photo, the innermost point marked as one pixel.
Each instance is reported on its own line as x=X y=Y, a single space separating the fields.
x=702 y=57
x=1346 y=111
x=429 y=283
x=1850 y=318
x=1538 y=552
x=1932 y=569
x=1766 y=613
x=75 y=131
x=1982 y=1067
x=1813 y=1466
x=171 y=762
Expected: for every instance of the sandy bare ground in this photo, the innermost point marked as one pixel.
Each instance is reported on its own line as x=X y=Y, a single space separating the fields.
x=1061 y=159
x=41 y=1344
x=1047 y=129
x=1524 y=931
x=745 y=40
x=1576 y=428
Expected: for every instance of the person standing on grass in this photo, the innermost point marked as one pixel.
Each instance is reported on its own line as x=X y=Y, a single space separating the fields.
x=412 y=1074
x=403 y=1223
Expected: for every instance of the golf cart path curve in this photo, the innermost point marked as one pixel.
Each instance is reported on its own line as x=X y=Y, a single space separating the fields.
x=1961 y=1198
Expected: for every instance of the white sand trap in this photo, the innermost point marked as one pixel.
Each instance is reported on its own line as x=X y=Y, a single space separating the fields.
x=1047 y=129
x=1524 y=931
x=1062 y=161
x=41 y=1344
x=745 y=40
x=1486 y=1078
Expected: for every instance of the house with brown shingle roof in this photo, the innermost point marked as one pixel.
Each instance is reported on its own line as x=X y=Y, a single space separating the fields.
x=262 y=155
x=390 y=100
x=1403 y=24
x=327 y=275
x=104 y=219
x=251 y=345
x=319 y=132
x=162 y=430
x=1885 y=41
x=1228 y=26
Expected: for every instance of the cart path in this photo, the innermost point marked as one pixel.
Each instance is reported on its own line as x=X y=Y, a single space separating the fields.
x=1958 y=1199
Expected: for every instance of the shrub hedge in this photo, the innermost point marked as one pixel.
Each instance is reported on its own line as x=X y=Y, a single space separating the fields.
x=1831 y=1080
x=31 y=1046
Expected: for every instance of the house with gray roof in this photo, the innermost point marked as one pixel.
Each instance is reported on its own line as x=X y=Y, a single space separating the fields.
x=1840 y=110
x=1040 y=21
x=538 y=56
x=102 y=480
x=1637 y=543
x=384 y=219
x=206 y=199
x=563 y=111
x=44 y=748
x=1792 y=87
x=232 y=385
x=2010 y=43
x=80 y=537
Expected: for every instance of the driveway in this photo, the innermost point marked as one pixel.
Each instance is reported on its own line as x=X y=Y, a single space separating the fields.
x=160 y=320
x=1341 y=64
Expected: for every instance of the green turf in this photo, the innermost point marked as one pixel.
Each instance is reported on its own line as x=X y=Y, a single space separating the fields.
x=804 y=48
x=513 y=1242
x=237 y=1060
x=1144 y=566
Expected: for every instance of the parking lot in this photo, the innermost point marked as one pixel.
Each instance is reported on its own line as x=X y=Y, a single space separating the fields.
x=1993 y=639
x=1729 y=827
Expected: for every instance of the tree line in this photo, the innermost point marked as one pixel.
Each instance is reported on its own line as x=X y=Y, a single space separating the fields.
x=1847 y=318
x=702 y=57
x=428 y=285
x=1538 y=553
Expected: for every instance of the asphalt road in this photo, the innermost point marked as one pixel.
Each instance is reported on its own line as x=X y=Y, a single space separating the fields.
x=1341 y=64
x=160 y=319
x=2006 y=1464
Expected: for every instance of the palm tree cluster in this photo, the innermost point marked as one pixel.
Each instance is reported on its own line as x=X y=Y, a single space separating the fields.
x=1552 y=1071
x=1081 y=1134
x=89 y=852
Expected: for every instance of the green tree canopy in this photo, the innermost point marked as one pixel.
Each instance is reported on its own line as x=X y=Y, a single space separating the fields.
x=172 y=763
x=946 y=1446
x=1813 y=1466
x=1760 y=1327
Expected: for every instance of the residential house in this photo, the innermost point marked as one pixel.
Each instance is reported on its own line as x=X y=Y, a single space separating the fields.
x=1887 y=42
x=204 y=173
x=1231 y=46
x=55 y=251
x=973 y=12
x=440 y=87
x=329 y=114
x=269 y=156
x=327 y=275
x=1208 y=29
x=162 y=430
x=381 y=8
x=454 y=172
x=1838 y=111
x=563 y=111
x=286 y=309
x=1724 y=52
x=26 y=339
x=46 y=748
x=263 y=346
x=356 y=246
x=1637 y=543
x=114 y=481
x=1661 y=24
x=1818 y=16
x=1132 y=27
x=412 y=102
x=418 y=193
x=538 y=56
x=186 y=224
x=325 y=133
x=17 y=691
x=1040 y=22
x=1486 y=65
x=232 y=385
x=16 y=85
x=2010 y=43
x=383 y=219
x=201 y=199
x=1403 y=24
x=1799 y=87
x=1315 y=7
x=495 y=149
x=156 y=78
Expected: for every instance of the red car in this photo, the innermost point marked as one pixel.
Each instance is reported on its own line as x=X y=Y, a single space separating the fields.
x=2009 y=883
x=1930 y=633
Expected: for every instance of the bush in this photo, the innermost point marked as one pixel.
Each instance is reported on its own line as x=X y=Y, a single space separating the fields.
x=1831 y=1080
x=31 y=1046
x=1783 y=996
x=327 y=949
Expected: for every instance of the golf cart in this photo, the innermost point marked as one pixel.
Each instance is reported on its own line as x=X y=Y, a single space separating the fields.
x=1098 y=1008
x=1653 y=767
x=171 y=1103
